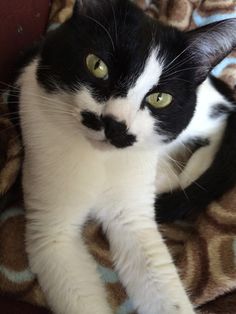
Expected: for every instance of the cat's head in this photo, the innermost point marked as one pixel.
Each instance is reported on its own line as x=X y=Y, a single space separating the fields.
x=133 y=80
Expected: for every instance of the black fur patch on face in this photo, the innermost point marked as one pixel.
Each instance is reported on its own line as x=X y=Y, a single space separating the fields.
x=122 y=43
x=117 y=133
x=91 y=120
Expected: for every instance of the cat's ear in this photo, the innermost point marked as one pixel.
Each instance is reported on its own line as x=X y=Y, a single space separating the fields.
x=87 y=7
x=210 y=44
x=81 y=7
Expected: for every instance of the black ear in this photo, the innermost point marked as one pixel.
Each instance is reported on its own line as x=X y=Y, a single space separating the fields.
x=208 y=45
x=83 y=6
x=90 y=7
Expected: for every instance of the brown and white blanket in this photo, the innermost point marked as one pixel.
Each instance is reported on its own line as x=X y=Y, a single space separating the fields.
x=204 y=252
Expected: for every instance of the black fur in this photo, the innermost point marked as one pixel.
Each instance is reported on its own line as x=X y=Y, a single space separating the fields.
x=117 y=133
x=225 y=90
x=91 y=121
x=219 y=178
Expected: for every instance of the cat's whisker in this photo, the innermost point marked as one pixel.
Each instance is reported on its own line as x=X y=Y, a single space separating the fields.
x=104 y=28
x=186 y=147
x=56 y=102
x=43 y=106
x=166 y=166
x=11 y=116
x=190 y=46
x=16 y=90
x=177 y=57
x=125 y=17
x=45 y=109
x=179 y=64
x=13 y=126
x=178 y=178
x=115 y=22
x=176 y=175
x=179 y=165
x=180 y=71
x=175 y=79
x=184 y=165
x=192 y=56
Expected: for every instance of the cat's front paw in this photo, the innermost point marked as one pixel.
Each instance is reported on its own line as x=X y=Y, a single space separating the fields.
x=168 y=307
x=83 y=305
x=178 y=307
x=172 y=206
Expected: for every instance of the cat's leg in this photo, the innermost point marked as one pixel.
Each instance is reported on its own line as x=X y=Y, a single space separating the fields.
x=145 y=266
x=66 y=271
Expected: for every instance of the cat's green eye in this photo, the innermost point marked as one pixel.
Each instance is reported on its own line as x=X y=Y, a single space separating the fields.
x=97 y=67
x=159 y=100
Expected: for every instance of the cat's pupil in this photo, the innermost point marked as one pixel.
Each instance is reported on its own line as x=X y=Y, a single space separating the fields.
x=97 y=65
x=159 y=96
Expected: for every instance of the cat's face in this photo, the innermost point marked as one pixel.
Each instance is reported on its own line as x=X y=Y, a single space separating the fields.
x=133 y=80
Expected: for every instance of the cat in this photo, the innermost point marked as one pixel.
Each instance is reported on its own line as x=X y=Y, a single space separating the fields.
x=98 y=113
x=207 y=148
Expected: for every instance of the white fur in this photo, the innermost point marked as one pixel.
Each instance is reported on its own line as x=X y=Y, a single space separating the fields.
x=68 y=177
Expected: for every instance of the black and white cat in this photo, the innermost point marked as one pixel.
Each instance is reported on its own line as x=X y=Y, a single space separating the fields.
x=110 y=93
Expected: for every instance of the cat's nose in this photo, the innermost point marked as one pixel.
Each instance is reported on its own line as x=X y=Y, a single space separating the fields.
x=116 y=132
x=112 y=127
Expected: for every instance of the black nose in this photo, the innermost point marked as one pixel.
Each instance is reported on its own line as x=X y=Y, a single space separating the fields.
x=117 y=133
x=113 y=128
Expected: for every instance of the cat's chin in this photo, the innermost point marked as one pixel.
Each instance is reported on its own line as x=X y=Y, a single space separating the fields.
x=103 y=145
x=98 y=140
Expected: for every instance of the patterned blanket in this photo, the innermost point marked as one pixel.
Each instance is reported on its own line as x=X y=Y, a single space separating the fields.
x=204 y=252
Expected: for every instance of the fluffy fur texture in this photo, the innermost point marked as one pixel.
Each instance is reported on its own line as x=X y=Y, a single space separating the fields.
x=103 y=142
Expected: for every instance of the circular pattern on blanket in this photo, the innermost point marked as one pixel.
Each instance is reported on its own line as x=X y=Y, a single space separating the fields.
x=98 y=246
x=15 y=276
x=217 y=5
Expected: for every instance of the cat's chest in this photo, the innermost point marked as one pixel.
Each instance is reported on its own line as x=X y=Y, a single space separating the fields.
x=77 y=170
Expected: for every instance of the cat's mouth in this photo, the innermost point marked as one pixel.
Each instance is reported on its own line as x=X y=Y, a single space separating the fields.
x=114 y=132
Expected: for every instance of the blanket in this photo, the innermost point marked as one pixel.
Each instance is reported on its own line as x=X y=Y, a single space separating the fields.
x=204 y=251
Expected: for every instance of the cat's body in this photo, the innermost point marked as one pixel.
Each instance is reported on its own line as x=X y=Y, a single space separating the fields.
x=94 y=137
x=117 y=188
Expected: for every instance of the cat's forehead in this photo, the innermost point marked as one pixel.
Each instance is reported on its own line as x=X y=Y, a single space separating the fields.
x=126 y=35
x=130 y=43
x=147 y=78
